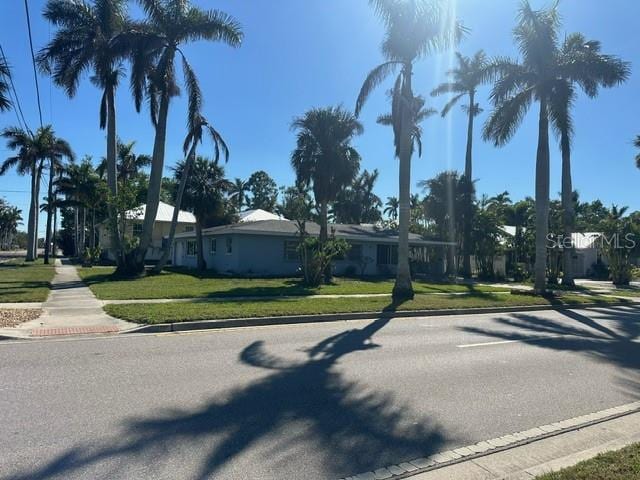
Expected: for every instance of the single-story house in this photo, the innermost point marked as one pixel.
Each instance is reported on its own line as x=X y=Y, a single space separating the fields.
x=587 y=252
x=270 y=248
x=135 y=218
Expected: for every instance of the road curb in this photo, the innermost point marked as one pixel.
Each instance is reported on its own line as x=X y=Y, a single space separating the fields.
x=496 y=445
x=298 y=319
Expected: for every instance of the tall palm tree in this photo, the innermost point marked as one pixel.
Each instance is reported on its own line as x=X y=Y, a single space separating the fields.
x=85 y=41
x=59 y=150
x=153 y=46
x=238 y=193
x=414 y=28
x=324 y=157
x=204 y=195
x=464 y=82
x=391 y=208
x=546 y=75
x=5 y=103
x=199 y=126
x=581 y=63
x=128 y=164
x=33 y=150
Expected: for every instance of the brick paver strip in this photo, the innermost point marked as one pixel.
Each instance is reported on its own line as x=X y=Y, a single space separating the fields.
x=44 y=332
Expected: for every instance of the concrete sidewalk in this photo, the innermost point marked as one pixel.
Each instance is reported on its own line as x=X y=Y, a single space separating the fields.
x=544 y=456
x=527 y=454
x=71 y=308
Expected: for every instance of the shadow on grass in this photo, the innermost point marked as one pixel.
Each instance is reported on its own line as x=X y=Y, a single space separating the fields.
x=297 y=409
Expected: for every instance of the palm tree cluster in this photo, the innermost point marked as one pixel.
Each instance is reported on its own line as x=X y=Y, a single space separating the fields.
x=549 y=73
x=100 y=40
x=10 y=218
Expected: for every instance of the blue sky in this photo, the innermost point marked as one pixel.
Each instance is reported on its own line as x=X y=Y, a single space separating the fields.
x=300 y=54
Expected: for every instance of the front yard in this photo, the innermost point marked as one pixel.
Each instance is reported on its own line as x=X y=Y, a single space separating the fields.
x=189 y=284
x=186 y=311
x=21 y=281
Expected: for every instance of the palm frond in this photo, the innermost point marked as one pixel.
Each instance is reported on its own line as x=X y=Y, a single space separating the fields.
x=212 y=25
x=450 y=104
x=375 y=78
x=506 y=117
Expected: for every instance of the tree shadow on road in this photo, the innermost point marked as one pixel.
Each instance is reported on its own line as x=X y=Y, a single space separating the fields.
x=611 y=335
x=346 y=427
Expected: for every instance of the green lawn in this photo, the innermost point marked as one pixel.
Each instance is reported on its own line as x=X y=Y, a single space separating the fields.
x=185 y=311
x=25 y=282
x=619 y=465
x=189 y=284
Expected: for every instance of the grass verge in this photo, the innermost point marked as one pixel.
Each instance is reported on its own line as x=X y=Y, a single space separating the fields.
x=22 y=281
x=189 y=284
x=619 y=465
x=179 y=312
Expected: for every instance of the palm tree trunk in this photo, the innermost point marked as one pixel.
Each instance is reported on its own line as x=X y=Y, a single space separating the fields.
x=403 y=290
x=47 y=241
x=166 y=249
x=55 y=228
x=83 y=231
x=92 y=240
x=202 y=265
x=542 y=198
x=567 y=213
x=112 y=174
x=324 y=235
x=76 y=220
x=468 y=173
x=37 y=209
x=31 y=235
x=155 y=182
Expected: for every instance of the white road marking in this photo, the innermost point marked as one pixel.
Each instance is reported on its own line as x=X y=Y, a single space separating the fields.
x=502 y=342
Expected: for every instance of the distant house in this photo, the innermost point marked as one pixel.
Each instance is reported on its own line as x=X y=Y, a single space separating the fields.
x=257 y=215
x=270 y=247
x=135 y=218
x=587 y=252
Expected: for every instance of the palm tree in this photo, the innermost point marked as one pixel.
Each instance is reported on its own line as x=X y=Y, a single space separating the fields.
x=128 y=164
x=33 y=150
x=391 y=208
x=238 y=193
x=465 y=79
x=204 y=195
x=358 y=203
x=414 y=28
x=59 y=149
x=5 y=103
x=153 y=46
x=324 y=157
x=581 y=64
x=546 y=75
x=10 y=218
x=194 y=136
x=85 y=41
x=636 y=143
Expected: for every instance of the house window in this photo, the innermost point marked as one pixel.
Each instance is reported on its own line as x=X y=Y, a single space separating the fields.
x=229 y=245
x=387 y=255
x=189 y=228
x=214 y=246
x=355 y=253
x=291 y=253
x=137 y=229
x=191 y=248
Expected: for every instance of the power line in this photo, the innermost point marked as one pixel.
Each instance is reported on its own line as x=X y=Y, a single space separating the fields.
x=33 y=59
x=15 y=94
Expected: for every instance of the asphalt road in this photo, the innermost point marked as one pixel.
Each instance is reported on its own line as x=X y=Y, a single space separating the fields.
x=316 y=401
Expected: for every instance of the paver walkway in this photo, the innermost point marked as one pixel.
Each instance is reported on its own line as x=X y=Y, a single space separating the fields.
x=70 y=309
